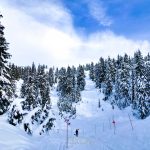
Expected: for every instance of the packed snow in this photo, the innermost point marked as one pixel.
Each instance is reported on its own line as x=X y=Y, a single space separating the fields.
x=101 y=128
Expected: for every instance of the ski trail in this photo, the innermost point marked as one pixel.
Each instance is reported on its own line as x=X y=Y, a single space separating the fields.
x=90 y=96
x=91 y=120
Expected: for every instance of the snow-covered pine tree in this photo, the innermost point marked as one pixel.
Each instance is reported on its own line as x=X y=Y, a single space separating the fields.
x=23 y=90
x=87 y=67
x=72 y=84
x=128 y=80
x=74 y=70
x=26 y=73
x=122 y=84
x=43 y=85
x=14 y=72
x=69 y=82
x=4 y=76
x=30 y=94
x=61 y=81
x=33 y=70
x=46 y=101
x=108 y=84
x=147 y=82
x=80 y=78
x=56 y=75
x=92 y=71
x=69 y=94
x=102 y=70
x=141 y=109
x=51 y=77
x=97 y=73
x=15 y=115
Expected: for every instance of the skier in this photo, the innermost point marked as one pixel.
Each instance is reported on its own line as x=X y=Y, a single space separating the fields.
x=77 y=132
x=25 y=127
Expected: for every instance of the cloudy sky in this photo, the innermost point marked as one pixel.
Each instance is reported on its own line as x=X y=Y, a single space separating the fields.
x=66 y=32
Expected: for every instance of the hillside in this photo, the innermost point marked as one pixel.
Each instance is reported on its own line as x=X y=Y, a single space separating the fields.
x=96 y=128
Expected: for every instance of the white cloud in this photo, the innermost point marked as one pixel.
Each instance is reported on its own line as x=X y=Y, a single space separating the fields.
x=109 y=44
x=31 y=40
x=52 y=44
x=98 y=11
x=52 y=13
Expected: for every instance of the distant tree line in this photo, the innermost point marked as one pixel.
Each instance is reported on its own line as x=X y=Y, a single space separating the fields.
x=125 y=81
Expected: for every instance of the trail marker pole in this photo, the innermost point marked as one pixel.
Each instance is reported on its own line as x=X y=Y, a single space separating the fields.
x=99 y=103
x=130 y=122
x=67 y=124
x=114 y=123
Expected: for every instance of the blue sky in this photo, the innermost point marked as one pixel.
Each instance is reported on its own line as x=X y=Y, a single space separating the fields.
x=63 y=32
x=128 y=17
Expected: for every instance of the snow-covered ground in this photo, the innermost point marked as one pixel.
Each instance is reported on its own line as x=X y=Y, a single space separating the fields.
x=96 y=130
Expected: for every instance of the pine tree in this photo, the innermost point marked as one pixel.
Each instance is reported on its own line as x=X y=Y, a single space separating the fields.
x=30 y=94
x=4 y=76
x=46 y=101
x=43 y=85
x=51 y=77
x=80 y=78
x=97 y=75
x=15 y=115
x=69 y=94
x=14 y=72
x=92 y=71
x=61 y=81
x=69 y=82
x=147 y=81
x=108 y=84
x=122 y=85
x=140 y=107
x=101 y=74
x=33 y=70
x=23 y=90
x=72 y=91
x=56 y=75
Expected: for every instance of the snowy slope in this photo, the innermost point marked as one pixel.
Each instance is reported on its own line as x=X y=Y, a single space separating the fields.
x=96 y=130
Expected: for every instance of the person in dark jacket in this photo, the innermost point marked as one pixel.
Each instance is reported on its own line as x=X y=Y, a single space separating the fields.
x=25 y=127
x=77 y=132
